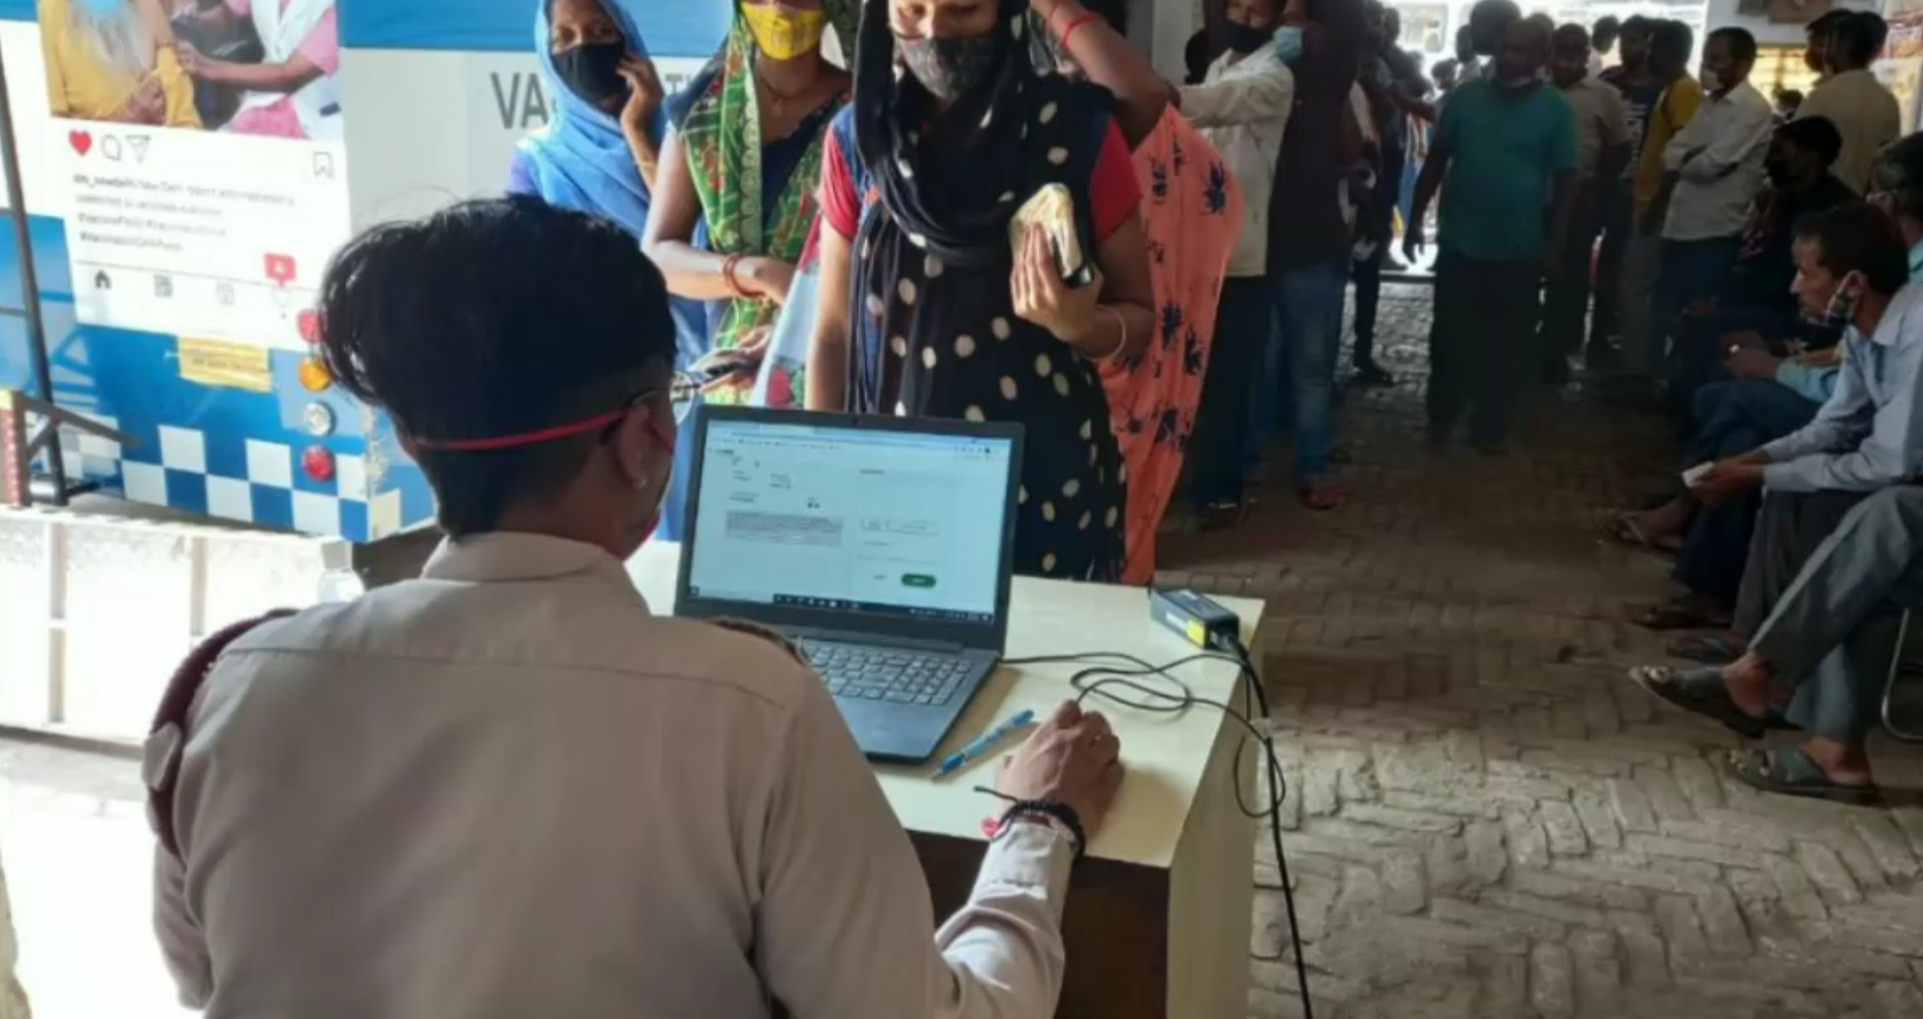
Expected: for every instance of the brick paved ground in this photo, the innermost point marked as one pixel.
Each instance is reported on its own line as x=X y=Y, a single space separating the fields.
x=1487 y=819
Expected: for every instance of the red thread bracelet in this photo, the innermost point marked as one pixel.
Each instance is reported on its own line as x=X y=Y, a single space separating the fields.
x=1069 y=32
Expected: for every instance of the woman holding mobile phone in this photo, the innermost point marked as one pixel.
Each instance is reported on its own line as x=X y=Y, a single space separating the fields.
x=946 y=314
x=742 y=163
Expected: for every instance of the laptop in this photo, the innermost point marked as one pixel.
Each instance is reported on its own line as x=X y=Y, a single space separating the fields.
x=881 y=545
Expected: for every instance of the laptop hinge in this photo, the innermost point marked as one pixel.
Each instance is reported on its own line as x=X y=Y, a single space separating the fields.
x=873 y=639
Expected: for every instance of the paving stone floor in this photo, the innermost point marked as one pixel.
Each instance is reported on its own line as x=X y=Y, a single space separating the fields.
x=1485 y=821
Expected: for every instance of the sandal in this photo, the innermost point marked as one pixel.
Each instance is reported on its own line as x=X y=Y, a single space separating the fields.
x=1707 y=648
x=1789 y=771
x=1321 y=495
x=1622 y=529
x=1701 y=692
x=1673 y=615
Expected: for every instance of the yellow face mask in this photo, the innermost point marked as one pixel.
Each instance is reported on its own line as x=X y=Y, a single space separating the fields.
x=782 y=32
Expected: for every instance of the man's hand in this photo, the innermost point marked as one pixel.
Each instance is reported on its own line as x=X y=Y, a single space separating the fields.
x=1699 y=307
x=1726 y=480
x=644 y=92
x=1412 y=240
x=1752 y=362
x=1073 y=759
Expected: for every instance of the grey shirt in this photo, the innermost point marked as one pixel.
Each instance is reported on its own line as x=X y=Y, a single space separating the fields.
x=1869 y=433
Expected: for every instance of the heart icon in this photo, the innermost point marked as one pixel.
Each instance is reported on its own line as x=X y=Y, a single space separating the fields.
x=308 y=322
x=81 y=141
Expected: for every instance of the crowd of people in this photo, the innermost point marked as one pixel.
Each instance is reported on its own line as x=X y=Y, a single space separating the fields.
x=832 y=231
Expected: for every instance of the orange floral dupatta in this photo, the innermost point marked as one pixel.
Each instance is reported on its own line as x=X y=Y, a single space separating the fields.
x=1192 y=212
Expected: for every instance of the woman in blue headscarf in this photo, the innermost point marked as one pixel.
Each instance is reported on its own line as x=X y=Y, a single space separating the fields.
x=598 y=153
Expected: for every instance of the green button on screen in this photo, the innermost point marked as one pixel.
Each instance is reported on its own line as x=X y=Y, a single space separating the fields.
x=917 y=580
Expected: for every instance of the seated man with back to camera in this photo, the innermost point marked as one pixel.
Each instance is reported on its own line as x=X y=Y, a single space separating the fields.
x=508 y=788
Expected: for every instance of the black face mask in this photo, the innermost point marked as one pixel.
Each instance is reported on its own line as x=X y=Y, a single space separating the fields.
x=593 y=70
x=1243 y=39
x=949 y=68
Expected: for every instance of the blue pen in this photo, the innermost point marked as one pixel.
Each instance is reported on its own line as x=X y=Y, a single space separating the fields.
x=983 y=744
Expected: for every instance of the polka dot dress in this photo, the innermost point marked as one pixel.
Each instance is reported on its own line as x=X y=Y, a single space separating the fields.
x=937 y=336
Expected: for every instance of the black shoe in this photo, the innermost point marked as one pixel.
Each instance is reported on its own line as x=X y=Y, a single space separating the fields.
x=1556 y=371
x=1368 y=373
x=1490 y=446
x=1436 y=436
x=1601 y=356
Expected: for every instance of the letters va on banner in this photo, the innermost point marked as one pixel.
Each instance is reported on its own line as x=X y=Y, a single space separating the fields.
x=207 y=168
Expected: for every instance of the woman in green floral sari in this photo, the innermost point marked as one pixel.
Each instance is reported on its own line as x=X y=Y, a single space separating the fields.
x=742 y=167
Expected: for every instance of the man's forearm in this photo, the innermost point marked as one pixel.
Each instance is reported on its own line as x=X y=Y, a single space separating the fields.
x=1565 y=205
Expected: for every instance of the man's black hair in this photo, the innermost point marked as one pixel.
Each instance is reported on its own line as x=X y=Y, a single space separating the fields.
x=1819 y=27
x=1742 y=45
x=1818 y=135
x=1858 y=237
x=1674 y=39
x=1855 y=39
x=496 y=318
x=1899 y=172
x=1638 y=23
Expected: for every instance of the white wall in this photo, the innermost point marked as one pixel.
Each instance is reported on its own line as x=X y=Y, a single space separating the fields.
x=1722 y=13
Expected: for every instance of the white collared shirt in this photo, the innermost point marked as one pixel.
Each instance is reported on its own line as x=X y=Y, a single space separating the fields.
x=1718 y=157
x=1242 y=107
x=507 y=790
x=13 y=1000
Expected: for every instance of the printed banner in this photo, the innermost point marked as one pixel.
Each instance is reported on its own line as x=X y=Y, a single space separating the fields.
x=204 y=158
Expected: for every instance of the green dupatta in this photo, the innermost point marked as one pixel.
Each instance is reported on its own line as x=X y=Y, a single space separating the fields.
x=722 y=134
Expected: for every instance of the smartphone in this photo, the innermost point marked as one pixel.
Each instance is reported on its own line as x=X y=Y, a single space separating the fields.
x=716 y=365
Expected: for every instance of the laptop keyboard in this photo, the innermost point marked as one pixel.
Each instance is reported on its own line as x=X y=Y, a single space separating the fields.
x=880 y=674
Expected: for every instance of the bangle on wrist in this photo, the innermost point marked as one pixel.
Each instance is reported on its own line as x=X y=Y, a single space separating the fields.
x=1121 y=326
x=728 y=267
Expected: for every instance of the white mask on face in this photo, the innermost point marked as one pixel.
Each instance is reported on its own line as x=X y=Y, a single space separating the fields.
x=1709 y=80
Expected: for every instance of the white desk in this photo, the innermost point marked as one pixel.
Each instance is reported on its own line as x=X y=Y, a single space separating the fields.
x=1158 y=919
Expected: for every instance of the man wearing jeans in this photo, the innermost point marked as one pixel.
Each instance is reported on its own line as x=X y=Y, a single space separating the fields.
x=1713 y=170
x=1309 y=241
x=1506 y=144
x=1242 y=107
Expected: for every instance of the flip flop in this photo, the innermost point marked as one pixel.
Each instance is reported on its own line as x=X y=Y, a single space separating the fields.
x=1321 y=495
x=1789 y=771
x=1672 y=615
x=1707 y=648
x=1622 y=529
x=1698 y=691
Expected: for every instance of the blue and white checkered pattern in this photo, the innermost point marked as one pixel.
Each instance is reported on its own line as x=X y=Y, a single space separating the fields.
x=258 y=482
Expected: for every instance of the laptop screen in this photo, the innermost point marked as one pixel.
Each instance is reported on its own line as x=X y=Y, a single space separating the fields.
x=870 y=521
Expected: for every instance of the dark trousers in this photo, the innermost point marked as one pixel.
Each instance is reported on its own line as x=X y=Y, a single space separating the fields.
x=1222 y=419
x=1702 y=346
x=1788 y=530
x=1615 y=206
x=1732 y=418
x=1692 y=271
x=1566 y=310
x=1367 y=273
x=1481 y=341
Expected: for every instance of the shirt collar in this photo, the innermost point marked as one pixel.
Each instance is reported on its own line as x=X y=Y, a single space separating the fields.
x=510 y=556
x=1916 y=260
x=1903 y=307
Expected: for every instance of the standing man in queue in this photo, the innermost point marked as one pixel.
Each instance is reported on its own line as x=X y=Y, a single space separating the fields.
x=508 y=788
x=1504 y=154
